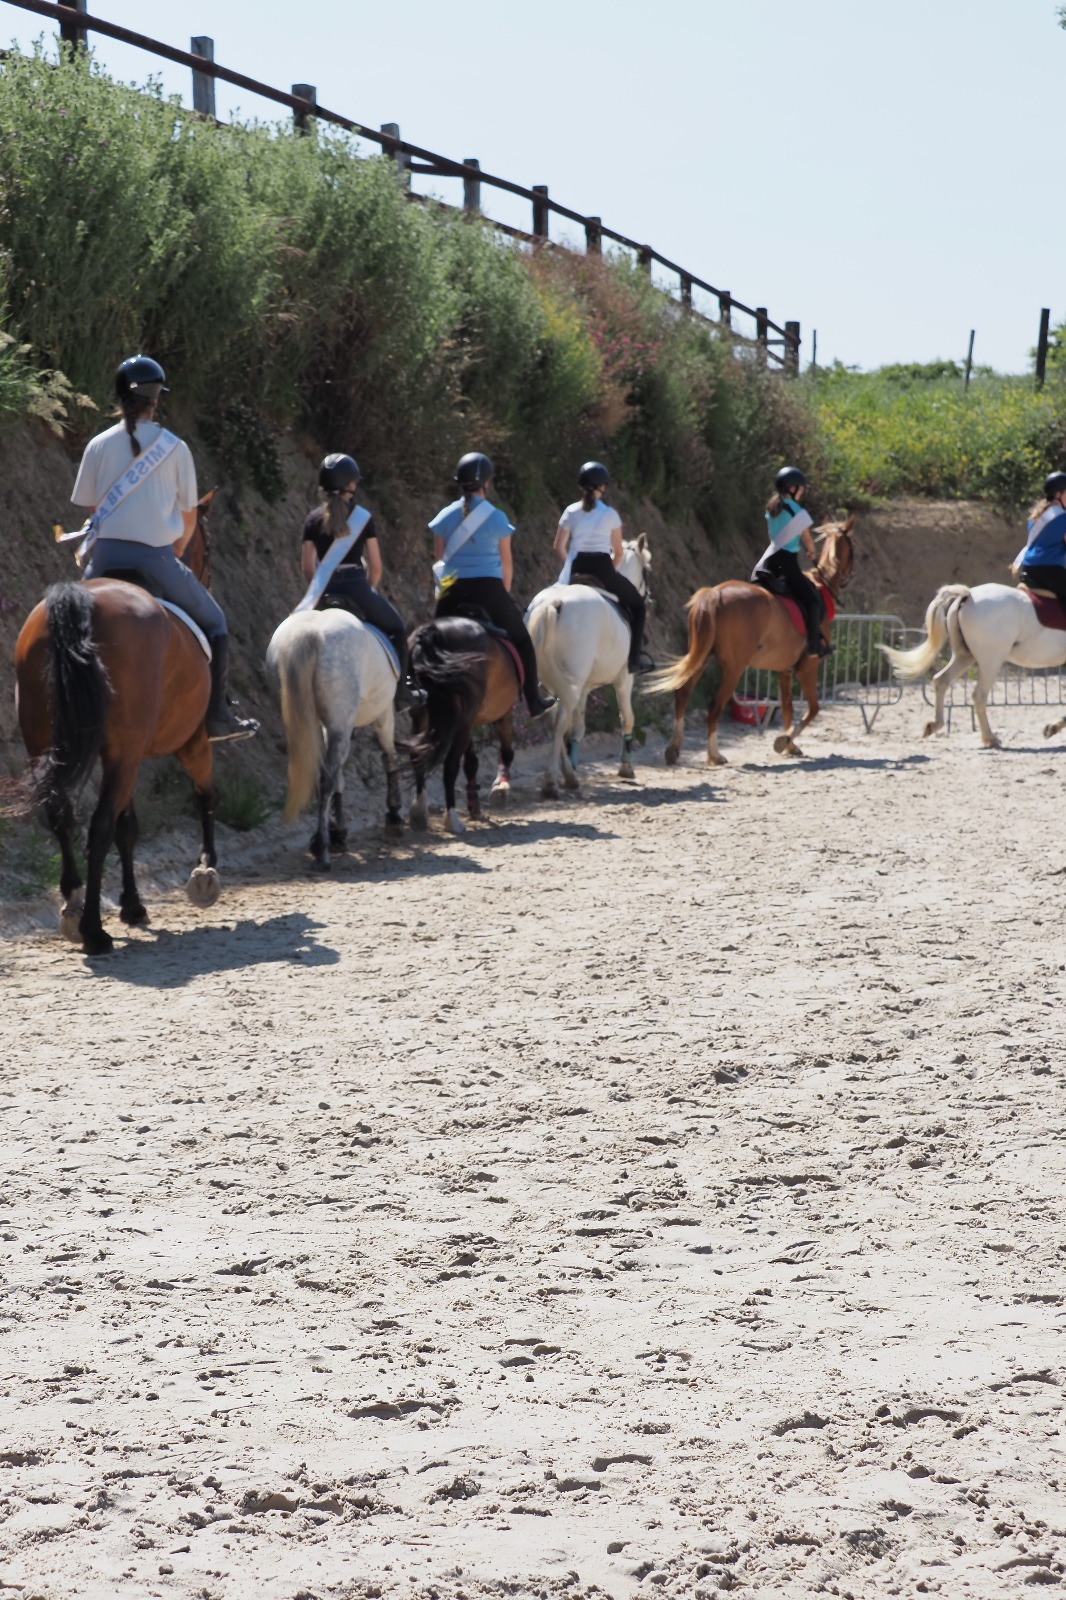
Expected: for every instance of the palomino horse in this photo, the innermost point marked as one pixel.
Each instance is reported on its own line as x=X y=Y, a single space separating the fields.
x=334 y=673
x=986 y=626
x=743 y=625
x=469 y=676
x=582 y=644
x=103 y=670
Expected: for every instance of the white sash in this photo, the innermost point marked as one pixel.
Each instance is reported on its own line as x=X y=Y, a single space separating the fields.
x=459 y=536
x=332 y=559
x=793 y=528
x=135 y=474
x=1038 y=527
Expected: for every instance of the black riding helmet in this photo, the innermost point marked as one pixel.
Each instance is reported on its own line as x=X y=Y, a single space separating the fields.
x=338 y=472
x=790 y=478
x=1054 y=484
x=139 y=377
x=473 y=471
x=593 y=475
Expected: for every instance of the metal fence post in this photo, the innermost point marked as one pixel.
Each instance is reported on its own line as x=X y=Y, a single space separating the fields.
x=69 y=32
x=593 y=236
x=472 y=185
x=203 y=84
x=540 y=211
x=302 y=115
x=792 y=348
x=1041 y=346
x=392 y=131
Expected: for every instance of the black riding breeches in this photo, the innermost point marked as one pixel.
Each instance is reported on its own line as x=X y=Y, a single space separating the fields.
x=784 y=566
x=1053 y=578
x=599 y=565
x=350 y=588
x=490 y=596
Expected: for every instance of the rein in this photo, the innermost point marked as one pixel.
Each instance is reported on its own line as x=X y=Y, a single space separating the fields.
x=842 y=579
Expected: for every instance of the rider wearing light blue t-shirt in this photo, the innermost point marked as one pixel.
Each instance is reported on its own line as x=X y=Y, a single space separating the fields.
x=1042 y=564
x=475 y=575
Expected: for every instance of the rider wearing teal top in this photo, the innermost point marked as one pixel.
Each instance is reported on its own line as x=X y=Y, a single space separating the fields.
x=780 y=520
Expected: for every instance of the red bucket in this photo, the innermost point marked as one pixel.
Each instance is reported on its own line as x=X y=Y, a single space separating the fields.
x=751 y=712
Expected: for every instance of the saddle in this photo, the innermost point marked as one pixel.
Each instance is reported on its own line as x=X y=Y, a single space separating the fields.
x=776 y=586
x=140 y=581
x=590 y=581
x=1050 y=611
x=343 y=602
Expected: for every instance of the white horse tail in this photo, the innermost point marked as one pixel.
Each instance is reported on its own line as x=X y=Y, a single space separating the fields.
x=541 y=626
x=296 y=663
x=941 y=628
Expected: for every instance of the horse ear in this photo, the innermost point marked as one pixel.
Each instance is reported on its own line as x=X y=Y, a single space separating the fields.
x=850 y=522
x=204 y=502
x=642 y=541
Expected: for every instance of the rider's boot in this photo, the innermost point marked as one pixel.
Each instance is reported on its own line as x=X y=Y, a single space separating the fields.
x=538 y=702
x=818 y=645
x=222 y=722
x=409 y=694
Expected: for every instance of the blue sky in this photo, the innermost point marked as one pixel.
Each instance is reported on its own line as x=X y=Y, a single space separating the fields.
x=878 y=171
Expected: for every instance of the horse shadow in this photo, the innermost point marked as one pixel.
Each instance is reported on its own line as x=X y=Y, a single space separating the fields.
x=835 y=763
x=159 y=959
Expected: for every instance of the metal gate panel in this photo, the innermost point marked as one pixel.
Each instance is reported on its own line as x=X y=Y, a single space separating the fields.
x=856 y=674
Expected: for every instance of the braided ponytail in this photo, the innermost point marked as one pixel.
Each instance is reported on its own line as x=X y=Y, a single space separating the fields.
x=134 y=407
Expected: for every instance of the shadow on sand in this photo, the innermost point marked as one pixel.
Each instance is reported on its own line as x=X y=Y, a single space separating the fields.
x=163 y=960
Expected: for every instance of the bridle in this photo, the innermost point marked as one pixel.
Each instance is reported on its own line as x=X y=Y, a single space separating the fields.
x=842 y=580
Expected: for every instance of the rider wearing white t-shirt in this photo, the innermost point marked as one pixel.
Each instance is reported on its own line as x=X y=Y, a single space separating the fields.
x=147 y=531
x=590 y=537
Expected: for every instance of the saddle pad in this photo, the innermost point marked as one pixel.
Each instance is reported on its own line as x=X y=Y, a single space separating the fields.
x=796 y=614
x=386 y=645
x=587 y=581
x=516 y=659
x=194 y=628
x=1050 y=612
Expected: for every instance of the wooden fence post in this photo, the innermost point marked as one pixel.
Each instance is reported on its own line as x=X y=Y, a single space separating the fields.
x=792 y=348
x=686 y=292
x=392 y=130
x=302 y=116
x=593 y=236
x=540 y=211
x=969 y=361
x=1041 y=346
x=762 y=333
x=203 y=84
x=725 y=308
x=644 y=255
x=472 y=185
x=69 y=32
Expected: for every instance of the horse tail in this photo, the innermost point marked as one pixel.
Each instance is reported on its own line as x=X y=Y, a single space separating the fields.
x=454 y=681
x=541 y=625
x=80 y=692
x=296 y=663
x=940 y=624
x=702 y=626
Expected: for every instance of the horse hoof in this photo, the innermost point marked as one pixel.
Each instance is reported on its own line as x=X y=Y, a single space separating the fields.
x=716 y=759
x=204 y=885
x=571 y=779
x=338 y=839
x=394 y=829
x=321 y=864
x=98 y=944
x=929 y=729
x=795 y=753
x=70 y=917
x=994 y=743
x=1051 y=729
x=499 y=795
x=624 y=771
x=549 y=790
x=134 y=916
x=418 y=815
x=671 y=754
x=783 y=745
x=454 y=822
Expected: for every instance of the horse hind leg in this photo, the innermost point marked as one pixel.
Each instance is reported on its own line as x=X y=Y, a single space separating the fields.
x=564 y=718
x=987 y=673
x=470 y=766
x=452 y=820
x=338 y=742
x=131 y=908
x=59 y=815
x=623 y=689
x=942 y=682
x=116 y=791
x=672 y=753
x=204 y=884
x=385 y=730
x=500 y=792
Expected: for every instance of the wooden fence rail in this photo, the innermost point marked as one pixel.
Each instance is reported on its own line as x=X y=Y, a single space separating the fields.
x=772 y=341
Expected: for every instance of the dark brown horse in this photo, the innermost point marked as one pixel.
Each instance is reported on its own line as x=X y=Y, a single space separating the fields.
x=104 y=671
x=469 y=676
x=742 y=625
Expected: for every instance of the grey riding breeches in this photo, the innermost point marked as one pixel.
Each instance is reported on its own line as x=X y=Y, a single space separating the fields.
x=168 y=577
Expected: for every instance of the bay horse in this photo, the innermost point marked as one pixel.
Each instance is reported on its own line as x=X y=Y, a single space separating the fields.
x=582 y=643
x=986 y=626
x=102 y=670
x=335 y=673
x=743 y=625
x=470 y=676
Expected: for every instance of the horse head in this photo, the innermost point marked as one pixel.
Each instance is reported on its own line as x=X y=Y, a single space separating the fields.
x=636 y=562
x=197 y=553
x=837 y=554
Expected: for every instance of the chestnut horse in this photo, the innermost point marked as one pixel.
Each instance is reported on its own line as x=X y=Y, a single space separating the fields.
x=743 y=625
x=469 y=676
x=103 y=670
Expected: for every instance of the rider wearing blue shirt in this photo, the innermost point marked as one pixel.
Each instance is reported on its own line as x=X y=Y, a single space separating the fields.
x=778 y=568
x=1042 y=564
x=475 y=576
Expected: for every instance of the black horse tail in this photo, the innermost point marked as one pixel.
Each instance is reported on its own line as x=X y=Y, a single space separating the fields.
x=81 y=695
x=454 y=681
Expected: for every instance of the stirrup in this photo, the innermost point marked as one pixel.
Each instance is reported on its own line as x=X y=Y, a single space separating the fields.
x=230 y=726
x=644 y=663
x=544 y=704
x=409 y=695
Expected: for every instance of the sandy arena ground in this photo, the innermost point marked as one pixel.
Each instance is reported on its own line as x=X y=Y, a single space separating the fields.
x=657 y=1192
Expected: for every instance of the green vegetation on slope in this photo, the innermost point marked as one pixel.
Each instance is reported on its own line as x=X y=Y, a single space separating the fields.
x=287 y=283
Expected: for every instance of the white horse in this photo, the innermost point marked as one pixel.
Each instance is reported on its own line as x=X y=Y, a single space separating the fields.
x=987 y=627
x=335 y=675
x=582 y=643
